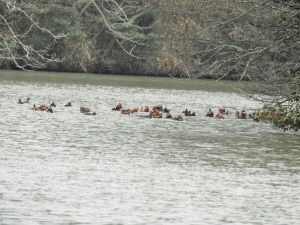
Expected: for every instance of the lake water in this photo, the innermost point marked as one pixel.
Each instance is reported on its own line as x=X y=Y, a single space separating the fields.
x=69 y=168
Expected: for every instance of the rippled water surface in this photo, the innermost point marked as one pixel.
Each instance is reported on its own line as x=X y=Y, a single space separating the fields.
x=70 y=168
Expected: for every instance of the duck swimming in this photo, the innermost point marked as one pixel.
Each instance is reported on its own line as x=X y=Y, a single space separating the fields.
x=223 y=111
x=218 y=116
x=34 y=107
x=49 y=109
x=118 y=107
x=20 y=102
x=179 y=118
x=27 y=101
x=52 y=104
x=188 y=113
x=242 y=115
x=68 y=104
x=165 y=110
x=168 y=115
x=126 y=111
x=83 y=110
x=210 y=113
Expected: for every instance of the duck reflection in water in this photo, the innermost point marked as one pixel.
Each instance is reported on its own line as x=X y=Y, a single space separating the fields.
x=91 y=114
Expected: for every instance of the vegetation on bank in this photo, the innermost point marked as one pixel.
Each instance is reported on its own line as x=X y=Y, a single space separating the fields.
x=255 y=40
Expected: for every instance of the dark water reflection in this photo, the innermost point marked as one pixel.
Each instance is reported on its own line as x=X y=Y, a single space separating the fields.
x=68 y=168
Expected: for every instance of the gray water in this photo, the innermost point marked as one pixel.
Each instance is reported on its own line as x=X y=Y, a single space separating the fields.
x=70 y=168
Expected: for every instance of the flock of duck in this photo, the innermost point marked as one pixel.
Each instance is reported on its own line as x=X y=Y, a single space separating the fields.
x=85 y=110
x=155 y=112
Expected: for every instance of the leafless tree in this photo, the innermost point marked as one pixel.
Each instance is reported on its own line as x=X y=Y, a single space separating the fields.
x=13 y=45
x=120 y=19
x=255 y=41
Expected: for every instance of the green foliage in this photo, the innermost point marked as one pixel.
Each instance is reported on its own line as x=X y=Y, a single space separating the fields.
x=284 y=117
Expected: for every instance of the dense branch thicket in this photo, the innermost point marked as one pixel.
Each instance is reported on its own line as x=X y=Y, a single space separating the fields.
x=255 y=41
x=15 y=27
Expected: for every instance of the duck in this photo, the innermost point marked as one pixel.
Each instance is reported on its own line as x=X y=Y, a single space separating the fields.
x=168 y=115
x=157 y=107
x=126 y=111
x=188 y=113
x=27 y=101
x=135 y=110
x=223 y=111
x=210 y=113
x=34 y=107
x=117 y=108
x=192 y=114
x=242 y=115
x=179 y=118
x=20 y=102
x=68 y=104
x=146 y=109
x=165 y=110
x=218 y=116
x=49 y=109
x=37 y=108
x=253 y=117
x=43 y=107
x=52 y=104
x=83 y=110
x=157 y=115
